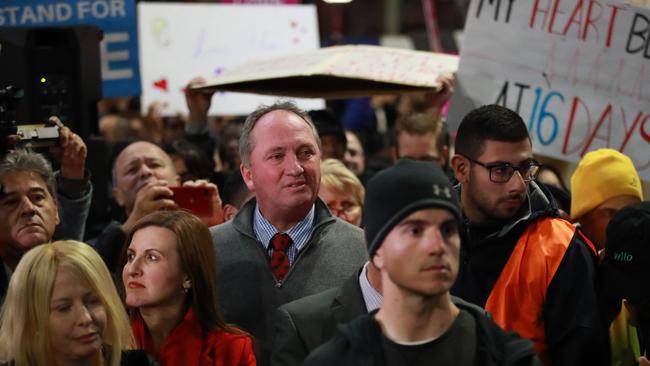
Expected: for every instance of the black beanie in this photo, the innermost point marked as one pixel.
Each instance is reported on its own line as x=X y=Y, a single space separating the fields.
x=625 y=269
x=396 y=192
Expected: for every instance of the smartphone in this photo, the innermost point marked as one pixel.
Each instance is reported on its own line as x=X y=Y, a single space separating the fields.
x=194 y=199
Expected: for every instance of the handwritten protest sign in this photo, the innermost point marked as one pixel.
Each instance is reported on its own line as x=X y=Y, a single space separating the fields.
x=181 y=41
x=119 y=45
x=338 y=72
x=577 y=71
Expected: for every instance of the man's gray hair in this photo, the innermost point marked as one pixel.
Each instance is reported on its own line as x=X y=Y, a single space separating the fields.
x=245 y=140
x=24 y=160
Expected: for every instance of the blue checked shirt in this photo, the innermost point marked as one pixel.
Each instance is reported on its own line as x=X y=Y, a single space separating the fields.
x=371 y=297
x=299 y=234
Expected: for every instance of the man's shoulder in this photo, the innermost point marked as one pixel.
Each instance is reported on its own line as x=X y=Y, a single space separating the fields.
x=241 y=223
x=317 y=317
x=355 y=343
x=557 y=223
x=226 y=229
x=550 y=231
x=311 y=317
x=308 y=306
x=556 y=241
x=342 y=240
x=329 y=353
x=231 y=243
x=508 y=347
x=557 y=237
x=468 y=306
x=339 y=244
x=223 y=227
x=343 y=229
x=335 y=351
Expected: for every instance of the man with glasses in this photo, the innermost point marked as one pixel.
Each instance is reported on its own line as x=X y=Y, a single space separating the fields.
x=534 y=272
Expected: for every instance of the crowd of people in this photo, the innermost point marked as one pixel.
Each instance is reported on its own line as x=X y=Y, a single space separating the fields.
x=332 y=240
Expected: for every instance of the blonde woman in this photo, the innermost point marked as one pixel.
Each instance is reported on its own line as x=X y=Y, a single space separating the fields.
x=62 y=308
x=341 y=191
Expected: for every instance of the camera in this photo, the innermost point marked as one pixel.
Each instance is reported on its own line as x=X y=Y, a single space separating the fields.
x=29 y=135
x=38 y=135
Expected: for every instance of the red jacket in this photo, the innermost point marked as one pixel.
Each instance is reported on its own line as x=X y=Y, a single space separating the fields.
x=186 y=345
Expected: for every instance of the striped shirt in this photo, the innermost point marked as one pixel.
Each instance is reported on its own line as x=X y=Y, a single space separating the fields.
x=371 y=297
x=299 y=234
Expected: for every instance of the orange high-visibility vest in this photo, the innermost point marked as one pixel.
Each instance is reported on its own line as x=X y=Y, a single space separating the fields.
x=517 y=299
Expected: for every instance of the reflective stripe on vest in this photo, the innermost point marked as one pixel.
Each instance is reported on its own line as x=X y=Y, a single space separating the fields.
x=517 y=299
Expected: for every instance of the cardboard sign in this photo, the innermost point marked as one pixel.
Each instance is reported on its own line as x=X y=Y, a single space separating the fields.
x=119 y=47
x=181 y=41
x=340 y=72
x=577 y=71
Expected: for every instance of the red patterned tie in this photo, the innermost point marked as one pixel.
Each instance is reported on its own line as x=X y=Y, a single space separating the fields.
x=279 y=260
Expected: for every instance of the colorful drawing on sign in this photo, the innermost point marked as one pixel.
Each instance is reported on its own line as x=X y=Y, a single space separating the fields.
x=160 y=32
x=577 y=71
x=298 y=31
x=161 y=84
x=179 y=42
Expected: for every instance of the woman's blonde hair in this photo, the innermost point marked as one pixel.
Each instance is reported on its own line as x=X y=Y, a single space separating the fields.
x=24 y=330
x=335 y=176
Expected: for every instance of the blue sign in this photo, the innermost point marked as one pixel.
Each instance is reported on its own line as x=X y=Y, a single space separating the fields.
x=117 y=18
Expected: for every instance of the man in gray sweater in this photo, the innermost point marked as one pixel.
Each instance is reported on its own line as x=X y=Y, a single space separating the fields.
x=283 y=244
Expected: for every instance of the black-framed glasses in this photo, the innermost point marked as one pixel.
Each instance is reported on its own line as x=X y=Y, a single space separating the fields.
x=502 y=172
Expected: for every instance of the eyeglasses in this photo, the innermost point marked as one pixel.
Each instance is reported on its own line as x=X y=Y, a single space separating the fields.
x=502 y=172
x=344 y=209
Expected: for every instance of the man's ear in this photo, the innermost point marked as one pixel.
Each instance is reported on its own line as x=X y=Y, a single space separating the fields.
x=378 y=259
x=461 y=166
x=229 y=211
x=247 y=175
x=57 y=219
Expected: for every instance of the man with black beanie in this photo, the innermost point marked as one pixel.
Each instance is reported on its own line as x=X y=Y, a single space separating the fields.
x=625 y=271
x=411 y=227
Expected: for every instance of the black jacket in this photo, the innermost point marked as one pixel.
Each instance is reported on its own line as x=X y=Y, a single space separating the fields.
x=110 y=244
x=574 y=330
x=358 y=343
x=306 y=323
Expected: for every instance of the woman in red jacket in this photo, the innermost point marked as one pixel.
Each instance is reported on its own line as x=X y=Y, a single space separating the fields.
x=169 y=278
